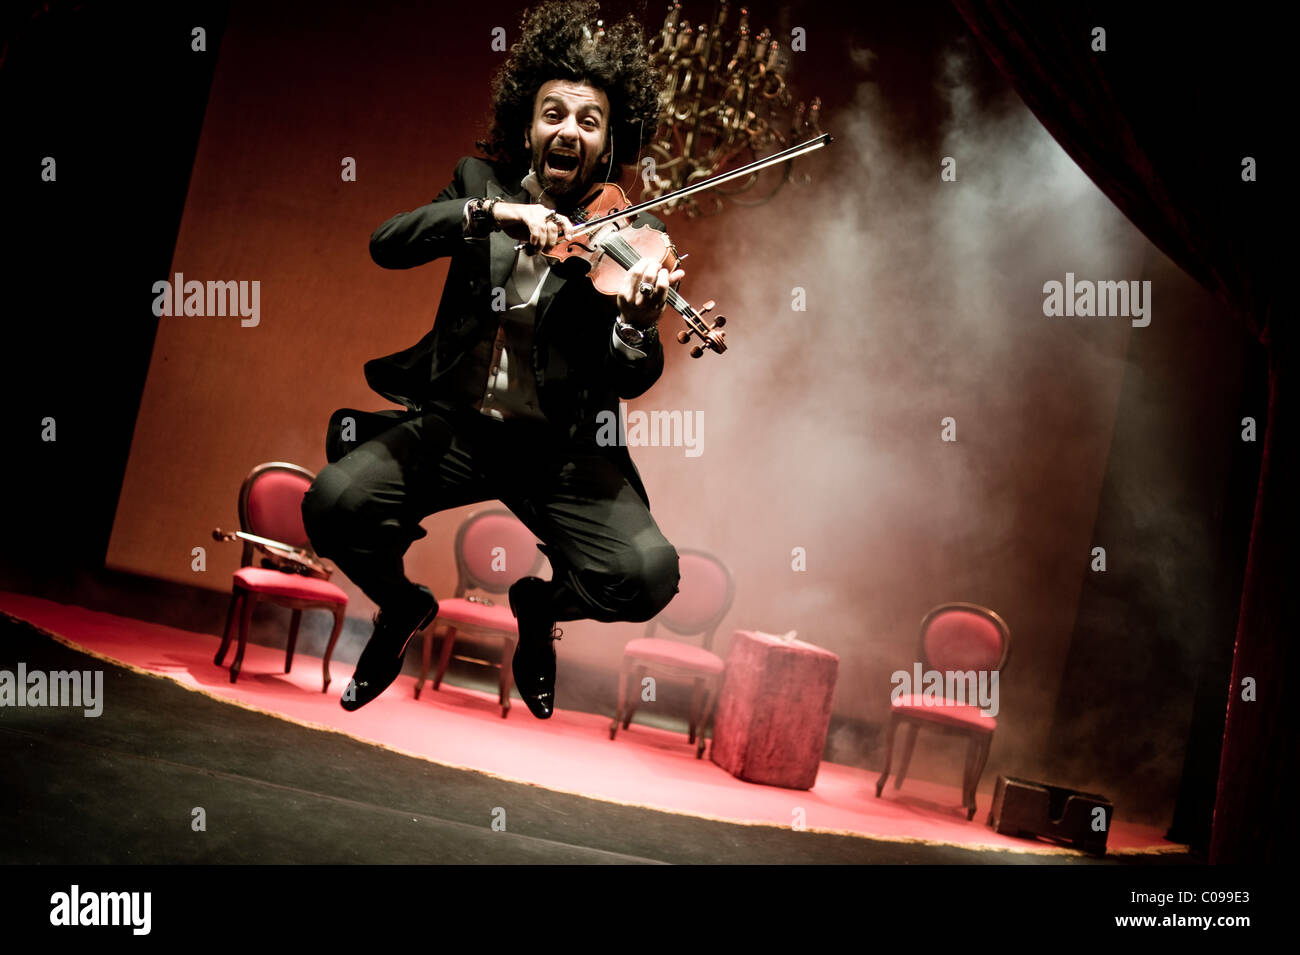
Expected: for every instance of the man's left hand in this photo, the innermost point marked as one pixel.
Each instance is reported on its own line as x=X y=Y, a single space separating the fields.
x=643 y=308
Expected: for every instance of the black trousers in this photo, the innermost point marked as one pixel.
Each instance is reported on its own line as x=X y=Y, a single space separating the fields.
x=609 y=560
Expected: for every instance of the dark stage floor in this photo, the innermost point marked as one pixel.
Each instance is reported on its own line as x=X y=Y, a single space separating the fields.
x=123 y=787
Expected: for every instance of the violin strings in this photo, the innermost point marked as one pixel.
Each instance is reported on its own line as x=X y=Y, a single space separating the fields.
x=622 y=251
x=625 y=255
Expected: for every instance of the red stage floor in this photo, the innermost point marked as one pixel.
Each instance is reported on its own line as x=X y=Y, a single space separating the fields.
x=571 y=752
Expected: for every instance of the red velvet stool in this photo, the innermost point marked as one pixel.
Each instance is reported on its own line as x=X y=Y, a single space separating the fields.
x=774 y=710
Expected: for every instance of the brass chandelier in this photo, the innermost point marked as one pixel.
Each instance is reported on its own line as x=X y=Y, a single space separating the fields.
x=727 y=102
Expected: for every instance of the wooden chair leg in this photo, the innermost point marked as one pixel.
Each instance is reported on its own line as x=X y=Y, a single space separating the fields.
x=908 y=745
x=507 y=676
x=635 y=695
x=968 y=775
x=294 y=622
x=981 y=759
x=226 y=634
x=624 y=674
x=245 y=621
x=444 y=657
x=426 y=658
x=329 y=649
x=695 y=706
x=889 y=752
x=706 y=721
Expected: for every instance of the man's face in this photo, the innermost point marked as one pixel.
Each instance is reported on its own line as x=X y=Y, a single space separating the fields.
x=567 y=137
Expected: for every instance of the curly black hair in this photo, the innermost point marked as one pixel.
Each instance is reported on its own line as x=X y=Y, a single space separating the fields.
x=559 y=41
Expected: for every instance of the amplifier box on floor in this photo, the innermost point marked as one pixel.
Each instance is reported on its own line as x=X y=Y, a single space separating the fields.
x=1022 y=807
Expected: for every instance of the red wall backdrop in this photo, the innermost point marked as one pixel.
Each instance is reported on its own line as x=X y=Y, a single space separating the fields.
x=821 y=428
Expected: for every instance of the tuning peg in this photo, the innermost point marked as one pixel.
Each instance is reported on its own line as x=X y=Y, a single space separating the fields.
x=683 y=336
x=697 y=351
x=707 y=307
x=720 y=321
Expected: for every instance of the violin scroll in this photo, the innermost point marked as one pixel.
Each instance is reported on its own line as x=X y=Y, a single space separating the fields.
x=712 y=339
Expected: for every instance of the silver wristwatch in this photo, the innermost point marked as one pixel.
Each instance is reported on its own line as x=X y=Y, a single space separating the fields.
x=633 y=336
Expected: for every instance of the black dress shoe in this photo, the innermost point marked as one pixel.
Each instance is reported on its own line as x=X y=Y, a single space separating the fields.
x=534 y=660
x=381 y=660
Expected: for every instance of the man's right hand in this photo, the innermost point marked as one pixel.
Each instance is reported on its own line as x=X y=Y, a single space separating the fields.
x=533 y=223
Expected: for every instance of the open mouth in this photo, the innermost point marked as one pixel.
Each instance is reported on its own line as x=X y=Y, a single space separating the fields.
x=561 y=164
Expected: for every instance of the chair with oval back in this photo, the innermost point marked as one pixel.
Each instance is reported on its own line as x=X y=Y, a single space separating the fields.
x=270 y=505
x=493 y=550
x=958 y=638
x=704 y=596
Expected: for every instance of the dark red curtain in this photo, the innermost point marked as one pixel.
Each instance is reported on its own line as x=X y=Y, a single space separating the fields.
x=1163 y=120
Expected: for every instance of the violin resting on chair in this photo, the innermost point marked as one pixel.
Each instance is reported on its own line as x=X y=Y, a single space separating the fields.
x=280 y=556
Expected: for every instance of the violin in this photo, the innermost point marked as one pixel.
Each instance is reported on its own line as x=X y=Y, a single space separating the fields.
x=619 y=245
x=607 y=242
x=279 y=555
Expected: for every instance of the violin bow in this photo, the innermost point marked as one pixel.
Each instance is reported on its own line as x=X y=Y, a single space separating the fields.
x=278 y=549
x=695 y=320
x=817 y=142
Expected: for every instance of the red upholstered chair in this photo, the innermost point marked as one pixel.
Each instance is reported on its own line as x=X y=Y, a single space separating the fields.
x=703 y=598
x=493 y=550
x=954 y=637
x=270 y=505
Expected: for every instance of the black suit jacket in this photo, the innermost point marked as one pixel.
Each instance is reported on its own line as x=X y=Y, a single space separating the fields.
x=579 y=373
